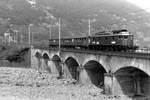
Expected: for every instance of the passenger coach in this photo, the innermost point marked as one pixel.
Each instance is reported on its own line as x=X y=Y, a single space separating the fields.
x=116 y=40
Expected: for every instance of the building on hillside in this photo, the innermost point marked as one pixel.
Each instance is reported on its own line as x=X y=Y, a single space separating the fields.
x=10 y=37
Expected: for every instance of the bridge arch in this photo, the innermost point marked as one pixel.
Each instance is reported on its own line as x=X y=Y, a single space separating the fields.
x=56 y=57
x=99 y=60
x=46 y=56
x=131 y=81
x=93 y=73
x=34 y=51
x=45 y=53
x=72 y=68
x=142 y=64
x=38 y=54
x=72 y=56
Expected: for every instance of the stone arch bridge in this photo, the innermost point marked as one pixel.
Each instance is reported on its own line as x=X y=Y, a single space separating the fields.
x=119 y=73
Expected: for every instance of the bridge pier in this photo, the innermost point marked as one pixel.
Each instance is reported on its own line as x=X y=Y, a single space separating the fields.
x=56 y=65
x=108 y=83
x=66 y=73
x=51 y=64
x=84 y=78
x=36 y=61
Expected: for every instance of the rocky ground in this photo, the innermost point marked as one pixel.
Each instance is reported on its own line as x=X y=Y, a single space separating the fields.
x=27 y=84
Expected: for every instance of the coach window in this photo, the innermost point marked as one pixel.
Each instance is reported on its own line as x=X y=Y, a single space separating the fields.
x=72 y=40
x=93 y=39
x=120 y=37
x=80 y=39
x=125 y=37
x=131 y=37
x=113 y=38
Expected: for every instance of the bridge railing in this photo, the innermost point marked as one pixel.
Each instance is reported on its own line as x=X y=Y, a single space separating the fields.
x=108 y=53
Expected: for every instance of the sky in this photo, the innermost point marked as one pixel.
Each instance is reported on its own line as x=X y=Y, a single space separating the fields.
x=144 y=4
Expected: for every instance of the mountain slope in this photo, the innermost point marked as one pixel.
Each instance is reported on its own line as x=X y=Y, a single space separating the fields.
x=74 y=14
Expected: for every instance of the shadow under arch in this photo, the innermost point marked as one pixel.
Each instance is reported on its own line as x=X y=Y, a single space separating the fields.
x=95 y=72
x=131 y=81
x=38 y=55
x=45 y=64
x=72 y=68
x=45 y=56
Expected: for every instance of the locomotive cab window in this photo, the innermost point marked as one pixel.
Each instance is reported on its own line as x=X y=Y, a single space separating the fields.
x=120 y=37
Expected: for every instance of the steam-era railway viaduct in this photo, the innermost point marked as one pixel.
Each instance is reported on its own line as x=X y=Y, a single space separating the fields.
x=120 y=73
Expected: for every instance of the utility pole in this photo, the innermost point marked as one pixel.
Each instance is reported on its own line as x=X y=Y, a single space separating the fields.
x=50 y=32
x=17 y=37
x=21 y=38
x=29 y=33
x=59 y=35
x=32 y=36
x=89 y=27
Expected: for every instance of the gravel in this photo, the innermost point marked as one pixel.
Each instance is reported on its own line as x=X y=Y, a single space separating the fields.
x=28 y=84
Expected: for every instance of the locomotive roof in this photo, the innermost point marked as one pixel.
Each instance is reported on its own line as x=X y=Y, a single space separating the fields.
x=111 y=35
x=112 y=32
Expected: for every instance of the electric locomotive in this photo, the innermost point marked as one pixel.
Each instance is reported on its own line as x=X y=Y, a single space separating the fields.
x=116 y=40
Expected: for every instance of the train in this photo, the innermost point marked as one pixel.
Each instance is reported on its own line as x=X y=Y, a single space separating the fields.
x=115 y=40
